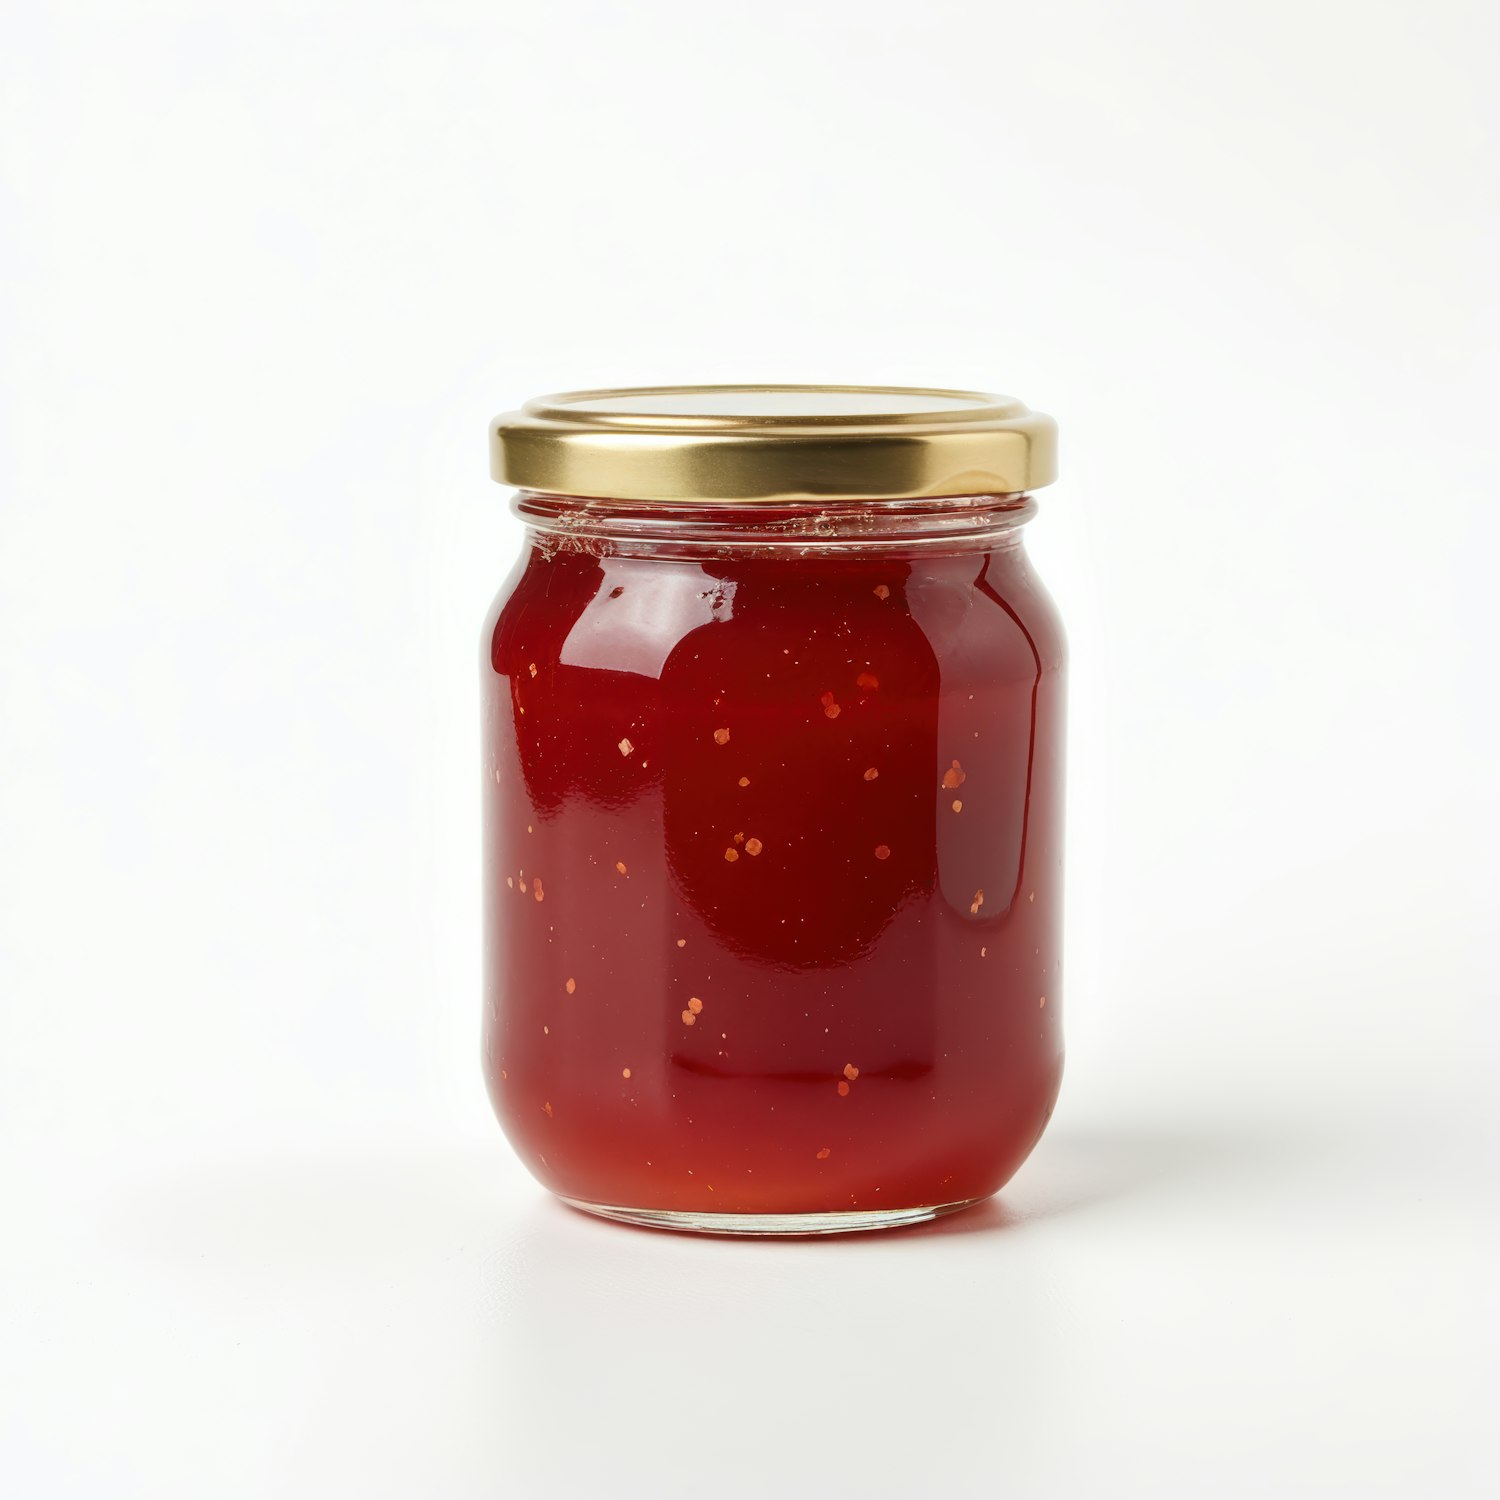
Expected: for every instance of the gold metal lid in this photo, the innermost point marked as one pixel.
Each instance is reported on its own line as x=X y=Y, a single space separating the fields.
x=773 y=442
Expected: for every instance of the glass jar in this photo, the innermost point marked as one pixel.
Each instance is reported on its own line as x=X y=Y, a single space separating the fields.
x=773 y=734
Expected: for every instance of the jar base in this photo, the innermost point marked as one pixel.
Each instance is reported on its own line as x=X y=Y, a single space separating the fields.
x=772 y=1224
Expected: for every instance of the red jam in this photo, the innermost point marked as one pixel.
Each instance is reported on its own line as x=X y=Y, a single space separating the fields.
x=773 y=864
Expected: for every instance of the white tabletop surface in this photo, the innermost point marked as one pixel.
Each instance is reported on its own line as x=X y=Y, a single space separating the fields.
x=1277 y=1304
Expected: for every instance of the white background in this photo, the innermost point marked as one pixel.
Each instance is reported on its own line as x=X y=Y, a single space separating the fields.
x=266 y=270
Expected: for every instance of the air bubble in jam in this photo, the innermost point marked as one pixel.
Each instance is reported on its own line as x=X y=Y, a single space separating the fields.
x=850 y=931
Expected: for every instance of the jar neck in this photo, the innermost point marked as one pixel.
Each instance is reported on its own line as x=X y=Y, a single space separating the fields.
x=943 y=524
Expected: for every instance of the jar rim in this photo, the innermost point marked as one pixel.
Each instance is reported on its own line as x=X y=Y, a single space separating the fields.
x=747 y=443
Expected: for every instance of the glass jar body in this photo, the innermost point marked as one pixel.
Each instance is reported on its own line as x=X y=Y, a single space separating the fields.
x=773 y=859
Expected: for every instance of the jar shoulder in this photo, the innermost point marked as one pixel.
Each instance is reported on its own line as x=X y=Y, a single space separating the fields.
x=640 y=615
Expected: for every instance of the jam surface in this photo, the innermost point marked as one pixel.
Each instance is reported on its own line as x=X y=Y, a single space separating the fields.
x=773 y=875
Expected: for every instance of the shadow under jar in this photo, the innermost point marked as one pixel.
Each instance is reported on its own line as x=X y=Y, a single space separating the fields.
x=773 y=731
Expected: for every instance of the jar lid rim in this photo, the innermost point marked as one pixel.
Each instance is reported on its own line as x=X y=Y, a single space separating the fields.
x=764 y=442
